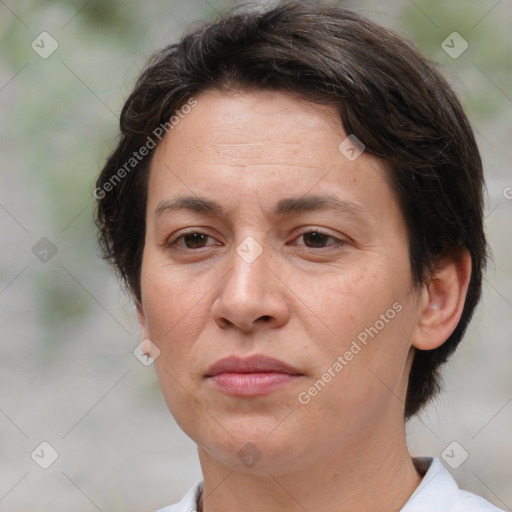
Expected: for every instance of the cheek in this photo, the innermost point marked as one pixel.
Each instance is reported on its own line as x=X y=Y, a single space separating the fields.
x=368 y=380
x=345 y=302
x=176 y=311
x=364 y=320
x=170 y=298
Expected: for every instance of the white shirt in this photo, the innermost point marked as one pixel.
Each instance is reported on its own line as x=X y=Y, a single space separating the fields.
x=437 y=492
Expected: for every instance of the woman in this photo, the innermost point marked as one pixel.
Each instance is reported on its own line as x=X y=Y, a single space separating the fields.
x=295 y=204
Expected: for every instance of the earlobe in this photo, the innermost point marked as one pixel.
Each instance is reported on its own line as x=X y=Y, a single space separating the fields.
x=147 y=346
x=141 y=317
x=443 y=303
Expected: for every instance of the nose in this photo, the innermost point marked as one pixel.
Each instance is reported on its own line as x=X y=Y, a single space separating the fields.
x=251 y=296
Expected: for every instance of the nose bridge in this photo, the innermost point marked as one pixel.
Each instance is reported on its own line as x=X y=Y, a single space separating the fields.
x=249 y=261
x=249 y=292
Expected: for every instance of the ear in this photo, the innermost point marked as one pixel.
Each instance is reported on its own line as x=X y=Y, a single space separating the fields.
x=147 y=346
x=141 y=317
x=442 y=301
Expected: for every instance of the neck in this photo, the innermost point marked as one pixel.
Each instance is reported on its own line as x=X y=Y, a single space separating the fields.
x=375 y=474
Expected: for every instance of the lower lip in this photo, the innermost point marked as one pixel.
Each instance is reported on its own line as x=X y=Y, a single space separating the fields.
x=251 y=384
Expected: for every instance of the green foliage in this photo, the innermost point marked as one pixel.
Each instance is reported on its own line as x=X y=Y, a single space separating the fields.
x=430 y=22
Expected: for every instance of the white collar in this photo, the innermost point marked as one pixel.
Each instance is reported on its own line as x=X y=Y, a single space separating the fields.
x=437 y=489
x=437 y=492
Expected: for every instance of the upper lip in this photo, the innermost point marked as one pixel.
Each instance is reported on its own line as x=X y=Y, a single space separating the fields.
x=251 y=364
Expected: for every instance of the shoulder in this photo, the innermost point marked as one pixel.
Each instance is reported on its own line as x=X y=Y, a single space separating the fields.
x=439 y=491
x=188 y=502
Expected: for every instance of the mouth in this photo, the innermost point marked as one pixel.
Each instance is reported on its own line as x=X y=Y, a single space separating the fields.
x=252 y=376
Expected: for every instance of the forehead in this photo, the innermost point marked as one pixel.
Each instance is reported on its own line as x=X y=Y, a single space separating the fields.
x=260 y=123
x=265 y=145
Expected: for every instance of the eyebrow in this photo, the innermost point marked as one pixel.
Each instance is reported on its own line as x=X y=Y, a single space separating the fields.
x=283 y=207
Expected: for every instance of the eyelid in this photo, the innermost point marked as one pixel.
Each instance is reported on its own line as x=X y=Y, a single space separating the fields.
x=172 y=239
x=322 y=231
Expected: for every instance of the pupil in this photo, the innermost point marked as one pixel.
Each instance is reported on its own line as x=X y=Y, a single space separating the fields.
x=194 y=239
x=315 y=238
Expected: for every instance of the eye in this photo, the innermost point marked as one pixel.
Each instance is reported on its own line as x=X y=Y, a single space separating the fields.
x=193 y=240
x=316 y=239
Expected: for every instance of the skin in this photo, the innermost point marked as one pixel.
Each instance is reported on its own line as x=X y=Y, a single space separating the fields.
x=299 y=303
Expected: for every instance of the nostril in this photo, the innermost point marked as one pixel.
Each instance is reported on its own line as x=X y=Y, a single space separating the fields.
x=265 y=318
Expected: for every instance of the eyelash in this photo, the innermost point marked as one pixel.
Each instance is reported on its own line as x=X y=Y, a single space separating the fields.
x=173 y=243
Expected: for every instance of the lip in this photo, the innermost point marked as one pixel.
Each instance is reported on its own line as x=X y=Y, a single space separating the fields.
x=251 y=376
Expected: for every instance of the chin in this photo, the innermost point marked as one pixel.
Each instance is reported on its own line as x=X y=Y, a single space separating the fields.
x=254 y=454
x=249 y=442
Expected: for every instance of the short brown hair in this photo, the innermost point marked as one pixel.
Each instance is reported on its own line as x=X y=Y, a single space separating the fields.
x=387 y=94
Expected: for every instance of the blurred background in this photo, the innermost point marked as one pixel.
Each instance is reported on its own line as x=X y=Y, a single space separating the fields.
x=68 y=374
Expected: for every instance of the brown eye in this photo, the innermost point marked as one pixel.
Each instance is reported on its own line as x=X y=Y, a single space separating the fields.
x=193 y=241
x=315 y=239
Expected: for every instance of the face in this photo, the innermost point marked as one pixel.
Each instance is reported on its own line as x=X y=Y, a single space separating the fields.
x=264 y=239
